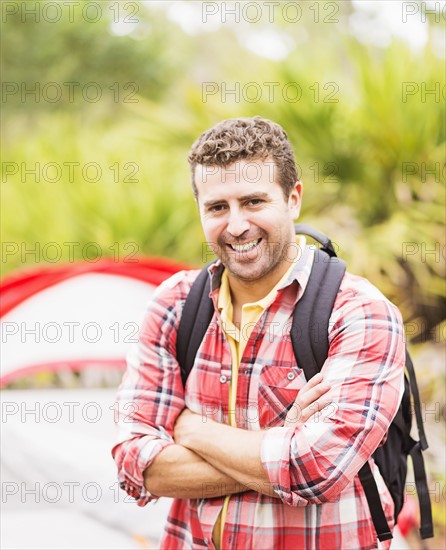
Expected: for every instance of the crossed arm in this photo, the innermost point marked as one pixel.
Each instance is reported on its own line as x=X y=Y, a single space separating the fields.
x=310 y=463
x=210 y=459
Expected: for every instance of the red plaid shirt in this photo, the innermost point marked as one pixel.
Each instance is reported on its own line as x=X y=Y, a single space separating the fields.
x=313 y=467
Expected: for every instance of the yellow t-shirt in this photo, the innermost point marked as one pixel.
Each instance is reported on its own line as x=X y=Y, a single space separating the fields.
x=238 y=339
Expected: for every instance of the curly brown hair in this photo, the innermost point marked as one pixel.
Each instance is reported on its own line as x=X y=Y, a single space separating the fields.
x=245 y=138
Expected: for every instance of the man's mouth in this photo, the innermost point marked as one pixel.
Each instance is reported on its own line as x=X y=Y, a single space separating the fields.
x=244 y=247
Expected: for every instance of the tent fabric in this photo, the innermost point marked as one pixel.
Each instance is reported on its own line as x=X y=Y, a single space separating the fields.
x=58 y=473
x=41 y=305
x=18 y=286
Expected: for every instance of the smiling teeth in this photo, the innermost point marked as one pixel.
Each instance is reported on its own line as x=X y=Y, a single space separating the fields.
x=245 y=247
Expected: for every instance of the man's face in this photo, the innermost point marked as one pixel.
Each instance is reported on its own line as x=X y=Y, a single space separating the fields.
x=246 y=219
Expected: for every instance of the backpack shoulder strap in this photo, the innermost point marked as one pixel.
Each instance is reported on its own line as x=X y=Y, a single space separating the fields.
x=196 y=316
x=309 y=331
x=426 y=525
x=309 y=336
x=321 y=238
x=416 y=401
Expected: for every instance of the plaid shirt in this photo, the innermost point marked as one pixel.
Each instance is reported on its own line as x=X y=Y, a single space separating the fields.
x=313 y=467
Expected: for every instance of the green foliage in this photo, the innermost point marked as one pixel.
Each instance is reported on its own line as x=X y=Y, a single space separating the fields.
x=73 y=59
x=365 y=147
x=371 y=159
x=366 y=141
x=140 y=200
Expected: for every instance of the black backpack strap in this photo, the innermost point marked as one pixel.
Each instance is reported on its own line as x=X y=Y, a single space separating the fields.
x=426 y=525
x=318 y=236
x=309 y=336
x=309 y=330
x=416 y=401
x=416 y=448
x=368 y=483
x=195 y=319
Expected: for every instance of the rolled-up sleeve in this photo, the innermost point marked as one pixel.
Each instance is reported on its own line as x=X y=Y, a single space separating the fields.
x=313 y=462
x=151 y=394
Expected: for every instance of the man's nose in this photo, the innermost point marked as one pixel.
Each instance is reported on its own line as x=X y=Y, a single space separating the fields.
x=237 y=223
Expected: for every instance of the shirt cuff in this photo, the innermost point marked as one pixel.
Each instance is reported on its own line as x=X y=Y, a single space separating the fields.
x=132 y=482
x=275 y=457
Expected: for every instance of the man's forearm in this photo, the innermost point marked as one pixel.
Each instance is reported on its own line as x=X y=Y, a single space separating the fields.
x=180 y=473
x=234 y=451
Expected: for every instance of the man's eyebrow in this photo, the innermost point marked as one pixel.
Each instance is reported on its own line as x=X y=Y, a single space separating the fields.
x=244 y=198
x=208 y=204
x=251 y=196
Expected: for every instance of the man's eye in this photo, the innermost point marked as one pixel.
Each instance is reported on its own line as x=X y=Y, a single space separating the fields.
x=217 y=208
x=254 y=202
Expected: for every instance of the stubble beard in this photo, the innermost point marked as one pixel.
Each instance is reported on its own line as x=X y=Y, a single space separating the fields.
x=250 y=271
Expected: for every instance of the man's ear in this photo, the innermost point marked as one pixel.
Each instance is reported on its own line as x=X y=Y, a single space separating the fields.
x=295 y=199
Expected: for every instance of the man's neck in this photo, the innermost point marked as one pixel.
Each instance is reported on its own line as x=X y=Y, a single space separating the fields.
x=246 y=292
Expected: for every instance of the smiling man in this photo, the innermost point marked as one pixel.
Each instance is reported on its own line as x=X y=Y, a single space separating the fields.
x=249 y=224
x=244 y=469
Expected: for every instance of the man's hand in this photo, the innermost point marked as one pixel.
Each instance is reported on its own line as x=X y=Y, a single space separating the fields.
x=186 y=424
x=236 y=452
x=312 y=398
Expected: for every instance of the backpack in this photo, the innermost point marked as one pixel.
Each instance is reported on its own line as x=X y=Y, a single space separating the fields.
x=310 y=321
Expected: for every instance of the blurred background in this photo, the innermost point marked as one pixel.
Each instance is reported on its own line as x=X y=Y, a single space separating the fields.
x=101 y=102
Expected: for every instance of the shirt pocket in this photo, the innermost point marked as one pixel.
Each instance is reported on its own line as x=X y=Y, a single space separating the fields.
x=278 y=389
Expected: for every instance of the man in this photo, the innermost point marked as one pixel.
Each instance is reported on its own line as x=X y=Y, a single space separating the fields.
x=243 y=471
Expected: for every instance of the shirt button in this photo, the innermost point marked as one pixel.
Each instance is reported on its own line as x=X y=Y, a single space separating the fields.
x=206 y=541
x=290 y=375
x=223 y=378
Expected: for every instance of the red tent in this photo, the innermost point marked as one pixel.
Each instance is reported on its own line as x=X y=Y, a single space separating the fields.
x=75 y=316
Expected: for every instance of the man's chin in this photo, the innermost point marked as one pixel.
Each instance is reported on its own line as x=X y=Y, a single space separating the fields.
x=246 y=271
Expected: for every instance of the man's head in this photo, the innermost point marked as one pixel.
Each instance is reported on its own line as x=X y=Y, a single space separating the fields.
x=248 y=194
x=253 y=138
